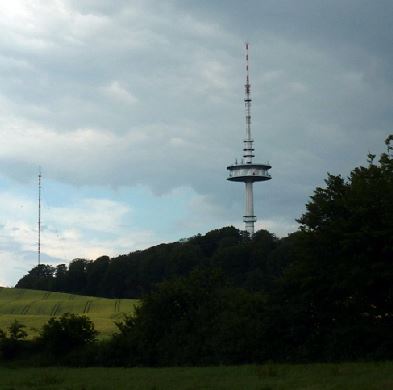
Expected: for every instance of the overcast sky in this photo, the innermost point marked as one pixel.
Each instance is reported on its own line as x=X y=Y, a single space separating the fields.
x=133 y=110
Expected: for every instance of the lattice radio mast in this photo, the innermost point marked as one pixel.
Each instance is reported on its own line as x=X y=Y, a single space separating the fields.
x=39 y=216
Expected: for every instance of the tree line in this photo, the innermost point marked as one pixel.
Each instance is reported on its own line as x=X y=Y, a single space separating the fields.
x=324 y=292
x=251 y=263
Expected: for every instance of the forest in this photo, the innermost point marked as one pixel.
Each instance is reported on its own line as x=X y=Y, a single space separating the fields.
x=324 y=293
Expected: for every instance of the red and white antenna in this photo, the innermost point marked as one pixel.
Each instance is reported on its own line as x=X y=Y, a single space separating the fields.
x=248 y=142
x=248 y=86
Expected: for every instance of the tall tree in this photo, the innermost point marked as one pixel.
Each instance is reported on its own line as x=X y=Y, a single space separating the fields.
x=39 y=278
x=340 y=291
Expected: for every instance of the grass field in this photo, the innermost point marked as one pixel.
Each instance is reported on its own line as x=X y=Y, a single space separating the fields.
x=347 y=376
x=34 y=308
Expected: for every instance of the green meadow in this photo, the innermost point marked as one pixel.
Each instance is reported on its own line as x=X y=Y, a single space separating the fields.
x=346 y=376
x=33 y=308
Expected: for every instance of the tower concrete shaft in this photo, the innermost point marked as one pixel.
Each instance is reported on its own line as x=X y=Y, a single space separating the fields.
x=248 y=172
x=249 y=217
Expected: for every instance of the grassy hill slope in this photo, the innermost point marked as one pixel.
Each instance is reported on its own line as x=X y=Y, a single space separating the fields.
x=33 y=308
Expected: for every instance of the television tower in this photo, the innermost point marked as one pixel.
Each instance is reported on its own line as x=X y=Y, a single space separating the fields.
x=247 y=172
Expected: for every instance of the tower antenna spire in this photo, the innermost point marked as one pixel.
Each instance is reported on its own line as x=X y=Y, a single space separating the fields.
x=247 y=172
x=248 y=86
x=39 y=215
x=248 y=142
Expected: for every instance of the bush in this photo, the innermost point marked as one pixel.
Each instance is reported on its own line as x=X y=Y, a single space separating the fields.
x=66 y=333
x=11 y=341
x=193 y=320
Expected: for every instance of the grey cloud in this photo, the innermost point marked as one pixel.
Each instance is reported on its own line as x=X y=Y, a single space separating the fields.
x=320 y=82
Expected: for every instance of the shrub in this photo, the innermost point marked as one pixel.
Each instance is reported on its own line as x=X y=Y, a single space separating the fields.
x=12 y=340
x=70 y=331
x=193 y=320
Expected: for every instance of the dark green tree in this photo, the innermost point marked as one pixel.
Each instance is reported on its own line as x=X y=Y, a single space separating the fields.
x=95 y=275
x=17 y=331
x=11 y=341
x=77 y=275
x=338 y=295
x=197 y=319
x=40 y=277
x=61 y=278
x=63 y=334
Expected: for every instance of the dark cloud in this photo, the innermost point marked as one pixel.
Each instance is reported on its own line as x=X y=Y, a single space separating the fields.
x=124 y=94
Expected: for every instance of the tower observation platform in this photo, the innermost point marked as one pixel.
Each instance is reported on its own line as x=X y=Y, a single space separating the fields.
x=248 y=172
